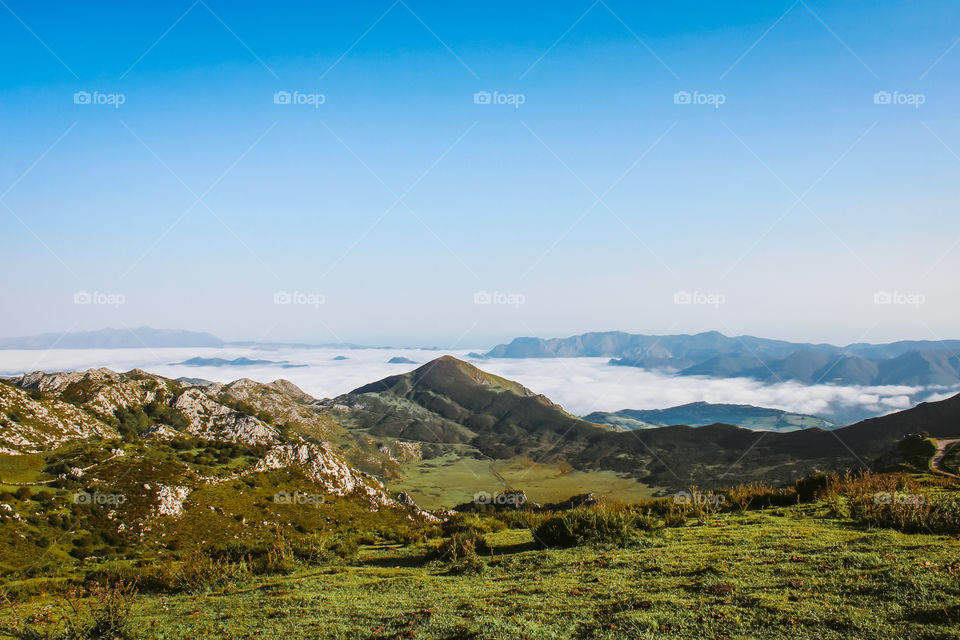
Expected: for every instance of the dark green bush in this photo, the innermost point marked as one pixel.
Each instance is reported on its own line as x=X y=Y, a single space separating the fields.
x=810 y=487
x=163 y=413
x=460 y=553
x=587 y=526
x=516 y=519
x=472 y=524
x=97 y=613
x=197 y=573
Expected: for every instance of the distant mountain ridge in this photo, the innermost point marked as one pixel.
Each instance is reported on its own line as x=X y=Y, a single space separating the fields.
x=699 y=414
x=907 y=362
x=236 y=362
x=136 y=338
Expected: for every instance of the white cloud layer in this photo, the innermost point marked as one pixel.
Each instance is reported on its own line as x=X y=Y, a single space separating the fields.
x=580 y=385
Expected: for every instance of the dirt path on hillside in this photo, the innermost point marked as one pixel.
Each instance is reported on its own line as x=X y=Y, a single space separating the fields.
x=938 y=456
x=82 y=469
x=496 y=474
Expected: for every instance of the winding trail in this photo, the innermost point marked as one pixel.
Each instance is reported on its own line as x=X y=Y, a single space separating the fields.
x=938 y=456
x=496 y=474
x=82 y=469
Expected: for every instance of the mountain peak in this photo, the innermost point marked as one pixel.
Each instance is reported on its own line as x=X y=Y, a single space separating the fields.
x=441 y=375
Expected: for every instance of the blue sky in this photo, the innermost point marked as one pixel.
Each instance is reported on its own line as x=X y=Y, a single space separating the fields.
x=783 y=212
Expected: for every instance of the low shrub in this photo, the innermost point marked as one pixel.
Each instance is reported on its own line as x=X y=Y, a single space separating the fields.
x=98 y=612
x=896 y=501
x=461 y=553
x=197 y=573
x=515 y=519
x=279 y=557
x=674 y=519
x=583 y=526
x=812 y=486
x=471 y=524
x=758 y=496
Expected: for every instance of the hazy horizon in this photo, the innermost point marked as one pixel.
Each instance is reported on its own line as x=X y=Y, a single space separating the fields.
x=465 y=346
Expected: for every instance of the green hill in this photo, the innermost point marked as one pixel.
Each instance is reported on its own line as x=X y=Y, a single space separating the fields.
x=698 y=414
x=460 y=415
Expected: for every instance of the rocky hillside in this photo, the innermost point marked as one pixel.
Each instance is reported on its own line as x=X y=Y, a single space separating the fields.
x=29 y=422
x=44 y=411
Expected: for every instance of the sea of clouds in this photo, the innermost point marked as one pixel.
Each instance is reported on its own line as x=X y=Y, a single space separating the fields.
x=580 y=385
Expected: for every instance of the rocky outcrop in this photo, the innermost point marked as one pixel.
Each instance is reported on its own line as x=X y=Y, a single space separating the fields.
x=211 y=420
x=285 y=403
x=400 y=451
x=323 y=465
x=101 y=391
x=28 y=425
x=170 y=500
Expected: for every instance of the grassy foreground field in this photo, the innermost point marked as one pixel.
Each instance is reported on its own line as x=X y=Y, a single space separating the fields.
x=792 y=572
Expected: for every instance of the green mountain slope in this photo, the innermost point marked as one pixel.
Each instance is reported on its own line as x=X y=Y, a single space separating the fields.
x=457 y=412
x=450 y=402
x=698 y=414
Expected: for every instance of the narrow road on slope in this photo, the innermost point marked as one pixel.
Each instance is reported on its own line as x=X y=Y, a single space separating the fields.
x=938 y=456
x=496 y=474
